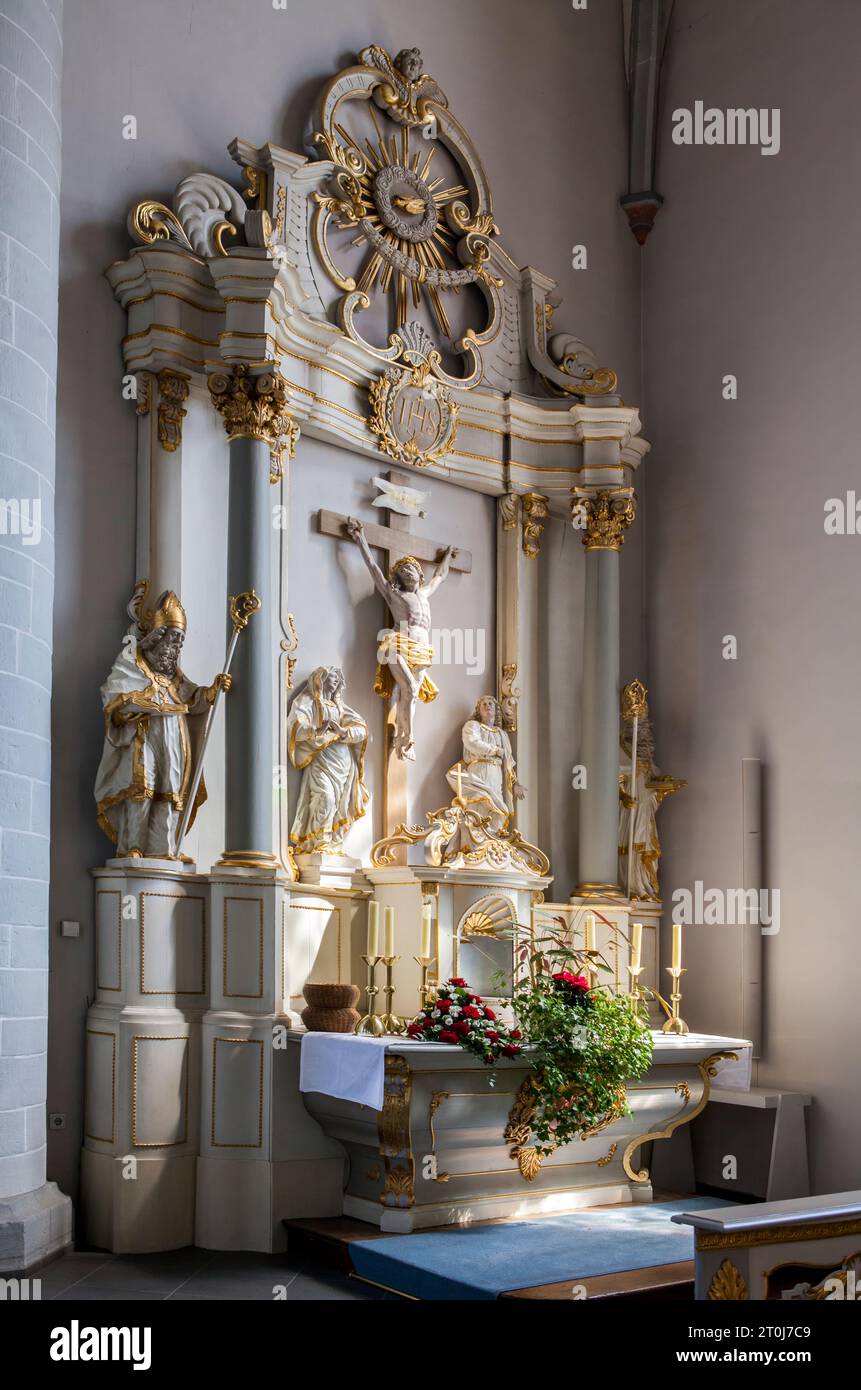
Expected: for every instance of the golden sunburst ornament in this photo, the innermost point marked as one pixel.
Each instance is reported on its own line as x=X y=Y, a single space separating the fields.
x=424 y=233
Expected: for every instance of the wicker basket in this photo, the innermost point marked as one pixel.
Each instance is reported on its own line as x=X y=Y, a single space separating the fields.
x=330 y=1008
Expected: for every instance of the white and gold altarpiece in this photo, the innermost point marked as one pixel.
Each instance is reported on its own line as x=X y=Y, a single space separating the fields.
x=340 y=332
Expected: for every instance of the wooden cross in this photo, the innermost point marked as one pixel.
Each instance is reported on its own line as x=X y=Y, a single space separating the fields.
x=395 y=539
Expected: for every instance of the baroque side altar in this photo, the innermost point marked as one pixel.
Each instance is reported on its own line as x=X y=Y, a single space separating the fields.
x=337 y=332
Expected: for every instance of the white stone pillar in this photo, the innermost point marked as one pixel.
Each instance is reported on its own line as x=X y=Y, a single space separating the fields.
x=35 y=1218
x=520 y=523
x=607 y=515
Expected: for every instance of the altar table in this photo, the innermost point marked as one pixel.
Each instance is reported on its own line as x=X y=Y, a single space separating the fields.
x=435 y=1153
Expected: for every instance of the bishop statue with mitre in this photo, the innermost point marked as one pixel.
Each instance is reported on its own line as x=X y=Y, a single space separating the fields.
x=148 y=758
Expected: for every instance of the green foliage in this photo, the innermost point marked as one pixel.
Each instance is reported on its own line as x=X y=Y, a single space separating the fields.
x=590 y=1043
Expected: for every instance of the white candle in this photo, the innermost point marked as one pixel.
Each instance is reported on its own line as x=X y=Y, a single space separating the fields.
x=373 y=927
x=636 y=945
x=389 y=931
x=590 y=931
x=426 y=931
x=677 y=945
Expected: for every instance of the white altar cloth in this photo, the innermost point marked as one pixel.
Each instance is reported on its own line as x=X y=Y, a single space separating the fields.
x=351 y=1066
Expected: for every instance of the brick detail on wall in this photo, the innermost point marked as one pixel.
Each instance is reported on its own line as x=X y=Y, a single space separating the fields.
x=30 y=66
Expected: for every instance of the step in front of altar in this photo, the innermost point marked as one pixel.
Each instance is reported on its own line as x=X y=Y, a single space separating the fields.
x=621 y=1252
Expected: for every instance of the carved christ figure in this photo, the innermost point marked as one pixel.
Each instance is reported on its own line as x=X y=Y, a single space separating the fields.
x=405 y=650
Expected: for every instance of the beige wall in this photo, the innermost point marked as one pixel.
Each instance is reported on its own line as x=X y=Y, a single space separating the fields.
x=751 y=270
x=539 y=86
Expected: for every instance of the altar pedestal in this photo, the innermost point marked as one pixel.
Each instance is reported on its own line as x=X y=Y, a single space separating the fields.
x=143 y=1057
x=195 y=1132
x=435 y=1154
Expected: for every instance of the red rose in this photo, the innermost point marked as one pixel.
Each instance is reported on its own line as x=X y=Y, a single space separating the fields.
x=510 y=1050
x=447 y=1036
x=414 y=1028
x=515 y=1033
x=488 y=1013
x=564 y=977
x=471 y=1012
x=461 y=984
x=460 y=1027
x=494 y=1037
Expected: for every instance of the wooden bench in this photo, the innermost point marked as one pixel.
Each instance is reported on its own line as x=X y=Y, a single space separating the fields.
x=801 y=1249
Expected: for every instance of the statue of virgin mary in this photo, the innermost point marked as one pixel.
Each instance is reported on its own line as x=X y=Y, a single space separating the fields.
x=327 y=740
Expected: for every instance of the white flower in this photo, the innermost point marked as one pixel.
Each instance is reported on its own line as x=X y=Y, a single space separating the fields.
x=448 y=1020
x=455 y=1009
x=435 y=1014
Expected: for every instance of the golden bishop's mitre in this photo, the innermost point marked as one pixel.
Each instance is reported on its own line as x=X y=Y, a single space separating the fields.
x=168 y=612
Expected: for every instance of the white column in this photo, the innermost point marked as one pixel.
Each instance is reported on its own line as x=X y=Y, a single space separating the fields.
x=161 y=411
x=607 y=516
x=35 y=1218
x=519 y=527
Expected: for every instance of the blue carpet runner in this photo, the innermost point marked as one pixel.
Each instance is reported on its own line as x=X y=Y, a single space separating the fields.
x=481 y=1262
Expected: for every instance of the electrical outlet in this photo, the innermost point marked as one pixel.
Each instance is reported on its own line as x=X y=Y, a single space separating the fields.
x=70 y=929
x=56 y=1121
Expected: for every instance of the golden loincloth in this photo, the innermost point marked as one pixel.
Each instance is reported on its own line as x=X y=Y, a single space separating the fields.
x=415 y=654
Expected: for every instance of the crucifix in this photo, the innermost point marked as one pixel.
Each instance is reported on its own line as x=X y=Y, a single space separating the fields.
x=405 y=649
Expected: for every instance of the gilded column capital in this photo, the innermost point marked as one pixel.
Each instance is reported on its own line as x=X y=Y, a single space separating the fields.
x=603 y=517
x=173 y=388
x=255 y=406
x=534 y=510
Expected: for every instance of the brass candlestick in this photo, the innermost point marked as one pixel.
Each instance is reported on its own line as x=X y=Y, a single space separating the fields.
x=424 y=962
x=675 y=1023
x=371 y=1023
x=635 y=971
x=391 y=1023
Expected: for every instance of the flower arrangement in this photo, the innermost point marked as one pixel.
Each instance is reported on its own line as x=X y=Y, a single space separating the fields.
x=589 y=1043
x=456 y=1015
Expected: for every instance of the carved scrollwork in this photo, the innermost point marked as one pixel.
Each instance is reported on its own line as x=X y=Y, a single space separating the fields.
x=727 y=1283
x=509 y=697
x=173 y=389
x=535 y=508
x=150 y=221
x=509 y=510
x=207 y=209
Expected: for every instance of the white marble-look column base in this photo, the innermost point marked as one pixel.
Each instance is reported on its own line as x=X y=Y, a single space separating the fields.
x=34 y=1228
x=155 y=867
x=329 y=870
x=263 y=1158
x=152 y=1211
